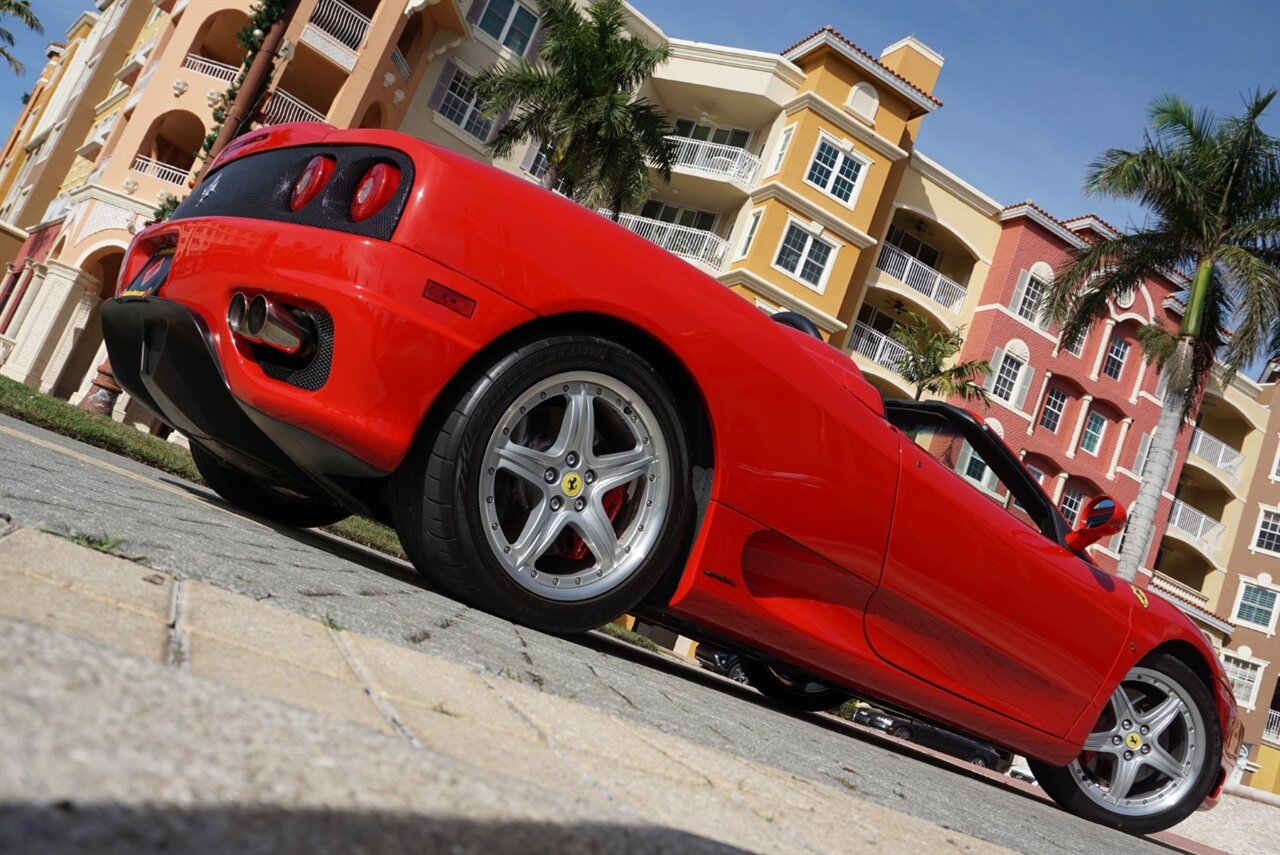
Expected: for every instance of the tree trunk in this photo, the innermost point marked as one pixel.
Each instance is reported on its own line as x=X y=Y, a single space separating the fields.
x=1159 y=466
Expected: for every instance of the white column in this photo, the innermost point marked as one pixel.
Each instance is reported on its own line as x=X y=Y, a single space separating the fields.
x=50 y=314
x=1075 y=434
x=1059 y=487
x=1102 y=348
x=1035 y=407
x=1115 y=458
x=72 y=330
x=1137 y=384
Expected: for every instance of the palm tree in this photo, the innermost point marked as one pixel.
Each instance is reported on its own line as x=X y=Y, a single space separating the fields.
x=20 y=9
x=927 y=352
x=578 y=101
x=1212 y=188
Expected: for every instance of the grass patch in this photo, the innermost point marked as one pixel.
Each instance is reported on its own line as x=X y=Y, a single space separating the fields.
x=24 y=403
x=622 y=634
x=110 y=544
x=331 y=623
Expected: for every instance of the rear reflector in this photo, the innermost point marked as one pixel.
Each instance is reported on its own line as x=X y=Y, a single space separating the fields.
x=449 y=298
x=311 y=181
x=374 y=190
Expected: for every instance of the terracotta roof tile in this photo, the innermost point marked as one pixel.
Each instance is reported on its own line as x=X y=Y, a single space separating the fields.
x=832 y=30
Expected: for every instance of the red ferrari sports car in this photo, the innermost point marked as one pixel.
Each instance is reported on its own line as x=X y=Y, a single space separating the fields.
x=565 y=422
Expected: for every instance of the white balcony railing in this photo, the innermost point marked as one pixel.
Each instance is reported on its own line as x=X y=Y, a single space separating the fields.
x=401 y=64
x=210 y=68
x=163 y=171
x=284 y=108
x=1198 y=524
x=877 y=347
x=702 y=248
x=1271 y=730
x=57 y=208
x=715 y=159
x=97 y=137
x=1216 y=453
x=1173 y=586
x=919 y=276
x=340 y=21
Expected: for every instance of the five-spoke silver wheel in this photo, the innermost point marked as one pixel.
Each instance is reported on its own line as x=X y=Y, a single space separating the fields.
x=1146 y=750
x=575 y=485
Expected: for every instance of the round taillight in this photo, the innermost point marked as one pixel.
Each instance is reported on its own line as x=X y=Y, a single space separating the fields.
x=311 y=181
x=374 y=190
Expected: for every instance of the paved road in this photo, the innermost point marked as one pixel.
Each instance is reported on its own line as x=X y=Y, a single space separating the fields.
x=49 y=481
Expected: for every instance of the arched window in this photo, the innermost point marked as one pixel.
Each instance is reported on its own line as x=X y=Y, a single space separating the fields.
x=864 y=101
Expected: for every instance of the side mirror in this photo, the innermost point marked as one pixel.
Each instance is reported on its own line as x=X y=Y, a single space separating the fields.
x=1101 y=516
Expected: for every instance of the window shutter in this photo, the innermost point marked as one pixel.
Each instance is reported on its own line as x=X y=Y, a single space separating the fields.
x=996 y=359
x=530 y=155
x=1024 y=386
x=476 y=10
x=1140 y=460
x=1023 y=278
x=498 y=123
x=535 y=43
x=442 y=85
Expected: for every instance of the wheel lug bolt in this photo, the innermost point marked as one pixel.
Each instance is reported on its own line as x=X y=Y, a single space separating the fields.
x=556 y=503
x=579 y=504
x=1144 y=730
x=571 y=458
x=1146 y=749
x=550 y=475
x=1128 y=755
x=589 y=476
x=1115 y=740
x=1127 y=724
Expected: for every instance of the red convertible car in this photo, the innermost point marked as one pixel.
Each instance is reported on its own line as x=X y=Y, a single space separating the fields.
x=565 y=423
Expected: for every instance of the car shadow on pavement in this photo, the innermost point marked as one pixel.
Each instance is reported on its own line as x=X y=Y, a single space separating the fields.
x=65 y=827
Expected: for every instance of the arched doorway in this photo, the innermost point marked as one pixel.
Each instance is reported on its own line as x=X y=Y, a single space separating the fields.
x=103 y=265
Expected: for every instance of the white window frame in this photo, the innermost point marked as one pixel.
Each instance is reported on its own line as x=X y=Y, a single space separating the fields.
x=1017 y=377
x=1079 y=348
x=1116 y=343
x=473 y=107
x=753 y=225
x=500 y=40
x=1275 y=467
x=1059 y=411
x=1077 y=499
x=1260 y=664
x=784 y=143
x=844 y=150
x=1263 y=510
x=810 y=237
x=1246 y=582
x=1017 y=310
x=1102 y=433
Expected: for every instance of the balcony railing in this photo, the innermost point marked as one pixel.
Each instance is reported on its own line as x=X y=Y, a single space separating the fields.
x=284 y=108
x=401 y=64
x=57 y=208
x=878 y=347
x=921 y=277
x=1173 y=586
x=163 y=171
x=340 y=21
x=210 y=67
x=1198 y=524
x=1271 y=730
x=715 y=159
x=97 y=137
x=1216 y=453
x=694 y=245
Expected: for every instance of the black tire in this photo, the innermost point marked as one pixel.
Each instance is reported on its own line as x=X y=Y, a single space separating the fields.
x=261 y=499
x=457 y=534
x=978 y=760
x=902 y=732
x=796 y=691
x=737 y=674
x=1080 y=788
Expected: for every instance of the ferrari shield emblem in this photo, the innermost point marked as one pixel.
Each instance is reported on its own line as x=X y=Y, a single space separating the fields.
x=1139 y=593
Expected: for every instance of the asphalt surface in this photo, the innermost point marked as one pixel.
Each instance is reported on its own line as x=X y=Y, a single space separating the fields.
x=52 y=482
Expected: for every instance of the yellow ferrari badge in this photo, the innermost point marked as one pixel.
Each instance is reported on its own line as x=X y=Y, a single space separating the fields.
x=571 y=485
x=1139 y=593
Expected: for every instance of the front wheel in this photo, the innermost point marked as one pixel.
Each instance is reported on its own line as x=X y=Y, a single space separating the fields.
x=1152 y=757
x=557 y=493
x=792 y=689
x=258 y=497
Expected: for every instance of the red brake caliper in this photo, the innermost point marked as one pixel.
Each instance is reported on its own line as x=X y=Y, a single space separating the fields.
x=612 y=503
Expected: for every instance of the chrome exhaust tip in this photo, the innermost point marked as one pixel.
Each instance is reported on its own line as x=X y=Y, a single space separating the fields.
x=236 y=312
x=275 y=326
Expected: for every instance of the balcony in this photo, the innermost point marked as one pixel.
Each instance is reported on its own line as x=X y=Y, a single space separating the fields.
x=401 y=64
x=716 y=160
x=164 y=171
x=57 y=209
x=210 y=68
x=1202 y=529
x=922 y=278
x=1271 y=730
x=284 y=108
x=701 y=248
x=134 y=64
x=1172 y=586
x=97 y=137
x=1216 y=453
x=877 y=347
x=336 y=31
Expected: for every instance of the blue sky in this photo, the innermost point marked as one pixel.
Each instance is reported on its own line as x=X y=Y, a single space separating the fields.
x=1032 y=90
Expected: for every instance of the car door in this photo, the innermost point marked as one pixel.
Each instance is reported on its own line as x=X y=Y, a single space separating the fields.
x=978 y=595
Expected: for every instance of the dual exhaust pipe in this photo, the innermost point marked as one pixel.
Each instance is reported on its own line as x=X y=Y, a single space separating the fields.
x=263 y=321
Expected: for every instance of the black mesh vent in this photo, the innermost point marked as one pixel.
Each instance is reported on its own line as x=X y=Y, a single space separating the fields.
x=154 y=344
x=315 y=372
x=260 y=186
